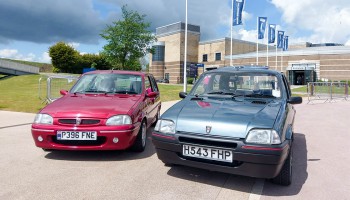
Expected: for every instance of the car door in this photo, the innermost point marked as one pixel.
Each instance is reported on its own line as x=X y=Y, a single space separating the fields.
x=290 y=111
x=153 y=102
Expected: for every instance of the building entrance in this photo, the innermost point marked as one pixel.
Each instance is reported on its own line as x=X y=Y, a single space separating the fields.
x=301 y=77
x=301 y=74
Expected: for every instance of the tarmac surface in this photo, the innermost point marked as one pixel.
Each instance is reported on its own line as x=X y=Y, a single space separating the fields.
x=321 y=168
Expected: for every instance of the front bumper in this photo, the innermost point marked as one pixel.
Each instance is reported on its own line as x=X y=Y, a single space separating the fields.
x=104 y=140
x=254 y=162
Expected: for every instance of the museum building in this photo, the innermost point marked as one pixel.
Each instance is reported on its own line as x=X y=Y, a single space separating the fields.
x=306 y=61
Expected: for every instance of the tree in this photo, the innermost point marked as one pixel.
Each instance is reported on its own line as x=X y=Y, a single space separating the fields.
x=64 y=58
x=127 y=40
x=93 y=61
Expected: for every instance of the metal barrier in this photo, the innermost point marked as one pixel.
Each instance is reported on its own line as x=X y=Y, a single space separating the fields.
x=54 y=83
x=327 y=91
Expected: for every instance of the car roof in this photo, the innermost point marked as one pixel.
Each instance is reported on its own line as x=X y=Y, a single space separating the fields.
x=116 y=72
x=245 y=68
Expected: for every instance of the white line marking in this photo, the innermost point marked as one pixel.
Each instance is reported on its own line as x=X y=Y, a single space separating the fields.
x=257 y=189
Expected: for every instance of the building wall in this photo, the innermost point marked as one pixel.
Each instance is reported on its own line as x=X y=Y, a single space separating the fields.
x=174 y=55
x=223 y=46
x=331 y=67
x=210 y=49
x=334 y=66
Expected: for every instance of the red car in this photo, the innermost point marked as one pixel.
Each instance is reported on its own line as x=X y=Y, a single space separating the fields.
x=104 y=110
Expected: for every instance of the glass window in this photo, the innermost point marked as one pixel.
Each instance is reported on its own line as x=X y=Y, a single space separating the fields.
x=238 y=84
x=159 y=53
x=218 y=56
x=148 y=85
x=108 y=83
x=153 y=84
x=205 y=58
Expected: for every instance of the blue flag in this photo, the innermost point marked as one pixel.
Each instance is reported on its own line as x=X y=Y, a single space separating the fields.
x=261 y=27
x=272 y=33
x=280 y=38
x=285 y=43
x=237 y=12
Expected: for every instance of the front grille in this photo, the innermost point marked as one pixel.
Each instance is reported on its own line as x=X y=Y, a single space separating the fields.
x=100 y=140
x=82 y=122
x=231 y=145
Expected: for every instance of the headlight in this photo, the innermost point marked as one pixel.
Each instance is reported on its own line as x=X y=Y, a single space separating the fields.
x=118 y=120
x=43 y=119
x=165 y=126
x=261 y=136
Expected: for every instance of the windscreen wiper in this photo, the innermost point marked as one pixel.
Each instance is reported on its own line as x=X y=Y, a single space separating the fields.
x=124 y=92
x=94 y=91
x=216 y=92
x=260 y=95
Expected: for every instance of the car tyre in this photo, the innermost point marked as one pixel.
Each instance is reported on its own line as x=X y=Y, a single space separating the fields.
x=140 y=142
x=285 y=176
x=168 y=164
x=47 y=150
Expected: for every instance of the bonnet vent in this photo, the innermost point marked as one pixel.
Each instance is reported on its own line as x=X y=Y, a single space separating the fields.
x=259 y=102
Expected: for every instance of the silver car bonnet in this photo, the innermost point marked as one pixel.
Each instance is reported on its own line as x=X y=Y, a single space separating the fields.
x=227 y=118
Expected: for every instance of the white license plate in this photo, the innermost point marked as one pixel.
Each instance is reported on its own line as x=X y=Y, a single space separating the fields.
x=207 y=153
x=76 y=135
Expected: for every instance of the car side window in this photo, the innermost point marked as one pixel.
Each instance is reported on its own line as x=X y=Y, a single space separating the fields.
x=286 y=86
x=153 y=84
x=148 y=85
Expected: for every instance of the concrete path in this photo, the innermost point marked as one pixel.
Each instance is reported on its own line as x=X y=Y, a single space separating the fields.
x=321 y=169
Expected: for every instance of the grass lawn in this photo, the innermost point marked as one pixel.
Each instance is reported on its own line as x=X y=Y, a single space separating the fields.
x=21 y=93
x=171 y=92
x=300 y=89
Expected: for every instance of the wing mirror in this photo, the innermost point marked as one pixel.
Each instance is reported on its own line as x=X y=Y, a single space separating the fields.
x=295 y=100
x=63 y=92
x=183 y=95
x=152 y=94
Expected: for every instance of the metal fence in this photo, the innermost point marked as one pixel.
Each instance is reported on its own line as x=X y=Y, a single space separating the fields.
x=50 y=86
x=327 y=91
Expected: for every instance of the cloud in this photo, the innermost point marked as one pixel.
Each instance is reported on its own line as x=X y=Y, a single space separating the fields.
x=326 y=20
x=82 y=21
x=14 y=54
x=49 y=21
x=8 y=53
x=212 y=17
x=247 y=35
x=75 y=45
x=45 y=58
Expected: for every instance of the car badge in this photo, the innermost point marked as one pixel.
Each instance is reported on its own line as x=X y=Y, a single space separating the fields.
x=208 y=128
x=77 y=121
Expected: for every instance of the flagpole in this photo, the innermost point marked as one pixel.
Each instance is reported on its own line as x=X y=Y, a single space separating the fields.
x=231 y=33
x=267 y=53
x=276 y=58
x=185 y=54
x=281 y=59
x=257 y=41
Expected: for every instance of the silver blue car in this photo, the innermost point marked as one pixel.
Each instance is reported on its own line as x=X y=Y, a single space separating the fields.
x=236 y=120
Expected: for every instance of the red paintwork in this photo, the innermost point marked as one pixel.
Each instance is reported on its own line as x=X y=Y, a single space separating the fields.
x=99 y=107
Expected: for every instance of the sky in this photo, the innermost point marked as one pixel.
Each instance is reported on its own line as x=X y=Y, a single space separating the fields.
x=29 y=27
